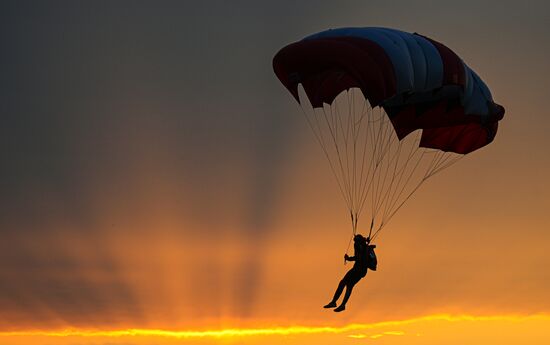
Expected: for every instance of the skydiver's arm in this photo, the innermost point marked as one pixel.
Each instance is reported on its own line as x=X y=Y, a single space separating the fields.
x=349 y=258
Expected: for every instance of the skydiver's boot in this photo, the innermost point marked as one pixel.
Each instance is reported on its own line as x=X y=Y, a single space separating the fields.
x=332 y=304
x=342 y=307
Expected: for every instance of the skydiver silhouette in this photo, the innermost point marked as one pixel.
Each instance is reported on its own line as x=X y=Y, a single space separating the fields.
x=358 y=271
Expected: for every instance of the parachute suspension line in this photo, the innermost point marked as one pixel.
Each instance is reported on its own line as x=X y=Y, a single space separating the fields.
x=356 y=131
x=398 y=176
x=350 y=133
x=321 y=142
x=391 y=190
x=401 y=173
x=354 y=220
x=354 y=136
x=350 y=126
x=374 y=169
x=349 y=145
x=363 y=159
x=440 y=161
x=382 y=196
x=396 y=199
x=371 y=226
x=361 y=188
x=351 y=123
x=380 y=188
x=375 y=158
x=345 y=136
x=447 y=161
x=382 y=142
x=334 y=133
x=390 y=209
x=366 y=182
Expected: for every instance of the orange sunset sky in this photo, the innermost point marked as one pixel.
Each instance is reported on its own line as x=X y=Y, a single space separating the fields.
x=158 y=185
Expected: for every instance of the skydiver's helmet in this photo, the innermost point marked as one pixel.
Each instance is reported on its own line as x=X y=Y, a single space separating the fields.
x=360 y=238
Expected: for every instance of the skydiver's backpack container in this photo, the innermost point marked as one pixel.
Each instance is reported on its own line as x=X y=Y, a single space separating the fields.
x=372 y=262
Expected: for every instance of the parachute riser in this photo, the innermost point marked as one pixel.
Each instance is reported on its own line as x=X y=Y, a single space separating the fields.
x=354 y=220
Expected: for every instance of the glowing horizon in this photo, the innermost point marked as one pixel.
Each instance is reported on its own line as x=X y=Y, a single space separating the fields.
x=410 y=329
x=278 y=330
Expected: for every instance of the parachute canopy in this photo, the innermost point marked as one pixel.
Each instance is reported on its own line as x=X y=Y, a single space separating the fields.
x=390 y=110
x=419 y=82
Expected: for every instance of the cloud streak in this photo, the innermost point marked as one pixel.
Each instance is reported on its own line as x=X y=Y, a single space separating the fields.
x=278 y=331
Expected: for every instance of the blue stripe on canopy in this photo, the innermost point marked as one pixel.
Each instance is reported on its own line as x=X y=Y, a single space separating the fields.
x=416 y=62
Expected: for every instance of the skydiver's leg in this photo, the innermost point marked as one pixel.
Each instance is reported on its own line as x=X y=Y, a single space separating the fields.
x=349 y=288
x=353 y=279
x=339 y=290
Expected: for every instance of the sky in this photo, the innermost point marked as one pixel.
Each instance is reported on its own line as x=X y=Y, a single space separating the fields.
x=155 y=175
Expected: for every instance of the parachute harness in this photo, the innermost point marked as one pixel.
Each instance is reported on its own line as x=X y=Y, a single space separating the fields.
x=371 y=165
